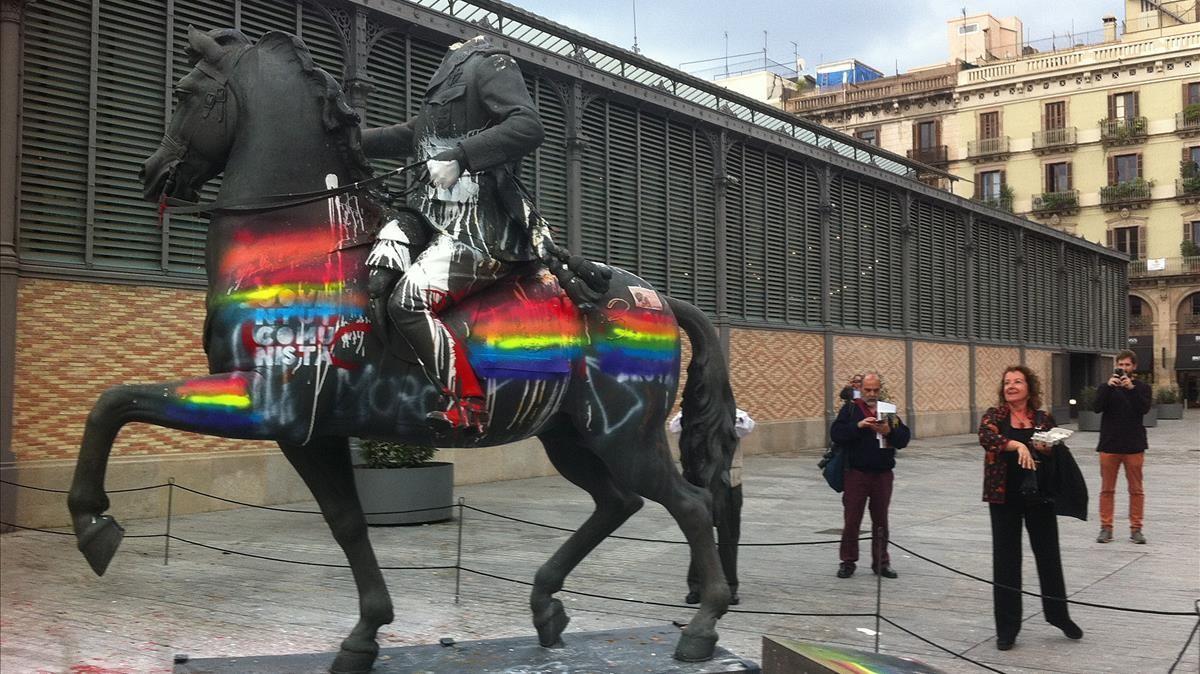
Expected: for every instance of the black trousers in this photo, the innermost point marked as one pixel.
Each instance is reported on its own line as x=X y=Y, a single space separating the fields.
x=729 y=531
x=1042 y=525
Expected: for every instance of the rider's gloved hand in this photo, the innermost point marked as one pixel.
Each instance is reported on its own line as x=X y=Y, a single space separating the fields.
x=445 y=168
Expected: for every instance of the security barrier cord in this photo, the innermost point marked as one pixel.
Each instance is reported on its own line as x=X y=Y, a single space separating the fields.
x=937 y=646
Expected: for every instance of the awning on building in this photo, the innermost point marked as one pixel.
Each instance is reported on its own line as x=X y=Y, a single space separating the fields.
x=1142 y=347
x=1187 y=352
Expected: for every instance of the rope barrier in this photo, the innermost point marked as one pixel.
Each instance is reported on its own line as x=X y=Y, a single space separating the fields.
x=1179 y=658
x=938 y=646
x=305 y=512
x=66 y=491
x=71 y=533
x=647 y=540
x=304 y=563
x=666 y=604
x=1035 y=594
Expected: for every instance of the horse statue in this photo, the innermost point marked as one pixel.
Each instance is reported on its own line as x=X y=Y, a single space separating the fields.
x=295 y=358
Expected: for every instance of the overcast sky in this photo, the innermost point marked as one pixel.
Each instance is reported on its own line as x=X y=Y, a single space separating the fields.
x=910 y=32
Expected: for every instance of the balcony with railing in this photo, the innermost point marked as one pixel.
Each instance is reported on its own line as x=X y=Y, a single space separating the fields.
x=1002 y=201
x=1054 y=140
x=1051 y=203
x=1123 y=130
x=988 y=149
x=1187 y=189
x=1165 y=266
x=1187 y=121
x=1129 y=194
x=932 y=155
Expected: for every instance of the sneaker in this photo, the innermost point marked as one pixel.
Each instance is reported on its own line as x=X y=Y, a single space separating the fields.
x=845 y=569
x=1105 y=535
x=1137 y=537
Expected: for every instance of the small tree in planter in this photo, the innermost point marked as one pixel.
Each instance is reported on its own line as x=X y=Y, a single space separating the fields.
x=1088 y=420
x=398 y=482
x=1167 y=401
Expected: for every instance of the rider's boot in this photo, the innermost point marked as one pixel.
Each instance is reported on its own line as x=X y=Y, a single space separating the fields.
x=468 y=414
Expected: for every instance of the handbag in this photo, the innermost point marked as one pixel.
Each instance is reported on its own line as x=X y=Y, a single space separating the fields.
x=833 y=467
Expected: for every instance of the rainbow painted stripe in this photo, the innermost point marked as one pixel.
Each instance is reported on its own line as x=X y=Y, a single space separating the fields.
x=222 y=402
x=640 y=343
x=537 y=341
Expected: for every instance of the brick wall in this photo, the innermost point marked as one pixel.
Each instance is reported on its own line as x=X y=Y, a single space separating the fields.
x=990 y=362
x=1040 y=362
x=778 y=375
x=74 y=340
x=941 y=377
x=861 y=354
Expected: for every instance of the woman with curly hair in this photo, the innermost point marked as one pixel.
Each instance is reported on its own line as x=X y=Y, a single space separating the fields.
x=1019 y=484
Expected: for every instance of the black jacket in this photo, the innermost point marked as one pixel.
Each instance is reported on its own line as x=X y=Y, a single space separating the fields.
x=1070 y=491
x=477 y=107
x=1121 y=429
x=860 y=444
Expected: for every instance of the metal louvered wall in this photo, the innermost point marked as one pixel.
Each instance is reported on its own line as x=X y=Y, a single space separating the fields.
x=653 y=183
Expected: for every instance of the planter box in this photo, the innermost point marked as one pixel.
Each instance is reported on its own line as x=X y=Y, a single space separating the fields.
x=1170 y=410
x=1089 y=421
x=391 y=490
x=1150 y=419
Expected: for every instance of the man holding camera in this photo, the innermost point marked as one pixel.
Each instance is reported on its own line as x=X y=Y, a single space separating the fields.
x=871 y=439
x=1122 y=401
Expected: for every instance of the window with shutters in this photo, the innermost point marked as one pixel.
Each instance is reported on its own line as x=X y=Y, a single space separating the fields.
x=1123 y=105
x=1126 y=168
x=1191 y=234
x=1058 y=176
x=989 y=125
x=1191 y=93
x=989 y=184
x=1055 y=116
x=1125 y=239
x=926 y=135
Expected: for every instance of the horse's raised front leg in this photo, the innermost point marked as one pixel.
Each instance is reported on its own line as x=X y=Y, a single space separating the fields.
x=614 y=506
x=325 y=466
x=650 y=472
x=221 y=405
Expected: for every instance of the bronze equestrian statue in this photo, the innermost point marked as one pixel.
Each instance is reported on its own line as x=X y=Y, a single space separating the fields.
x=295 y=356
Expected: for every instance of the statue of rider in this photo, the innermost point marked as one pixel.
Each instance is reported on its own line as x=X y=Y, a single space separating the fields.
x=475 y=125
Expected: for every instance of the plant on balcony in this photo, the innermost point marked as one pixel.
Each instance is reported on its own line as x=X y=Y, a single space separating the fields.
x=1003 y=201
x=1189 y=176
x=1189 y=248
x=1122 y=129
x=1057 y=201
x=1191 y=113
x=1130 y=190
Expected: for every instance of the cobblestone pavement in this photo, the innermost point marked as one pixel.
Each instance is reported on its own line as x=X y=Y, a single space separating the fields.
x=56 y=616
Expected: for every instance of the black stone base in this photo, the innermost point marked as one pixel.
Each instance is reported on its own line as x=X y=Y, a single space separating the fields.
x=646 y=650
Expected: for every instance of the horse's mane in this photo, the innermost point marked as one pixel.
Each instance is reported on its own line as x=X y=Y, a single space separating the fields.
x=337 y=116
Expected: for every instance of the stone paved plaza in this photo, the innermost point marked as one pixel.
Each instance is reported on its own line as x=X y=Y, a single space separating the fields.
x=56 y=616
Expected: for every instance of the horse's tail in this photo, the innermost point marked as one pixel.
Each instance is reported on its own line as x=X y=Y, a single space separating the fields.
x=708 y=440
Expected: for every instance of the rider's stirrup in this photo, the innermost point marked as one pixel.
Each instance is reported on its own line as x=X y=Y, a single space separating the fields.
x=468 y=415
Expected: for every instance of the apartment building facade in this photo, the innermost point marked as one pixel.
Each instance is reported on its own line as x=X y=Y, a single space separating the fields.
x=1101 y=141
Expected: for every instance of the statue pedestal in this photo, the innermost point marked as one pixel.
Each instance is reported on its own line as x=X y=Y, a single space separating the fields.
x=642 y=650
x=789 y=656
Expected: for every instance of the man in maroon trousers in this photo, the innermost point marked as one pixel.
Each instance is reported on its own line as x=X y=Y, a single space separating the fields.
x=870 y=440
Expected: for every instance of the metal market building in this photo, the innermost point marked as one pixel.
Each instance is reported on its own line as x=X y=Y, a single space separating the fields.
x=818 y=255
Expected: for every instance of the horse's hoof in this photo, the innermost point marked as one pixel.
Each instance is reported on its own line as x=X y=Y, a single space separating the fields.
x=98 y=541
x=695 y=648
x=550 y=625
x=354 y=662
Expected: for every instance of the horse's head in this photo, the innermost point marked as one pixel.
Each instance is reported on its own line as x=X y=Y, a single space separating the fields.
x=199 y=136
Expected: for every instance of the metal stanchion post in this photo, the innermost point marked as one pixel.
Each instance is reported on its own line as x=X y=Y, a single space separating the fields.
x=458 y=560
x=882 y=548
x=170 y=508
